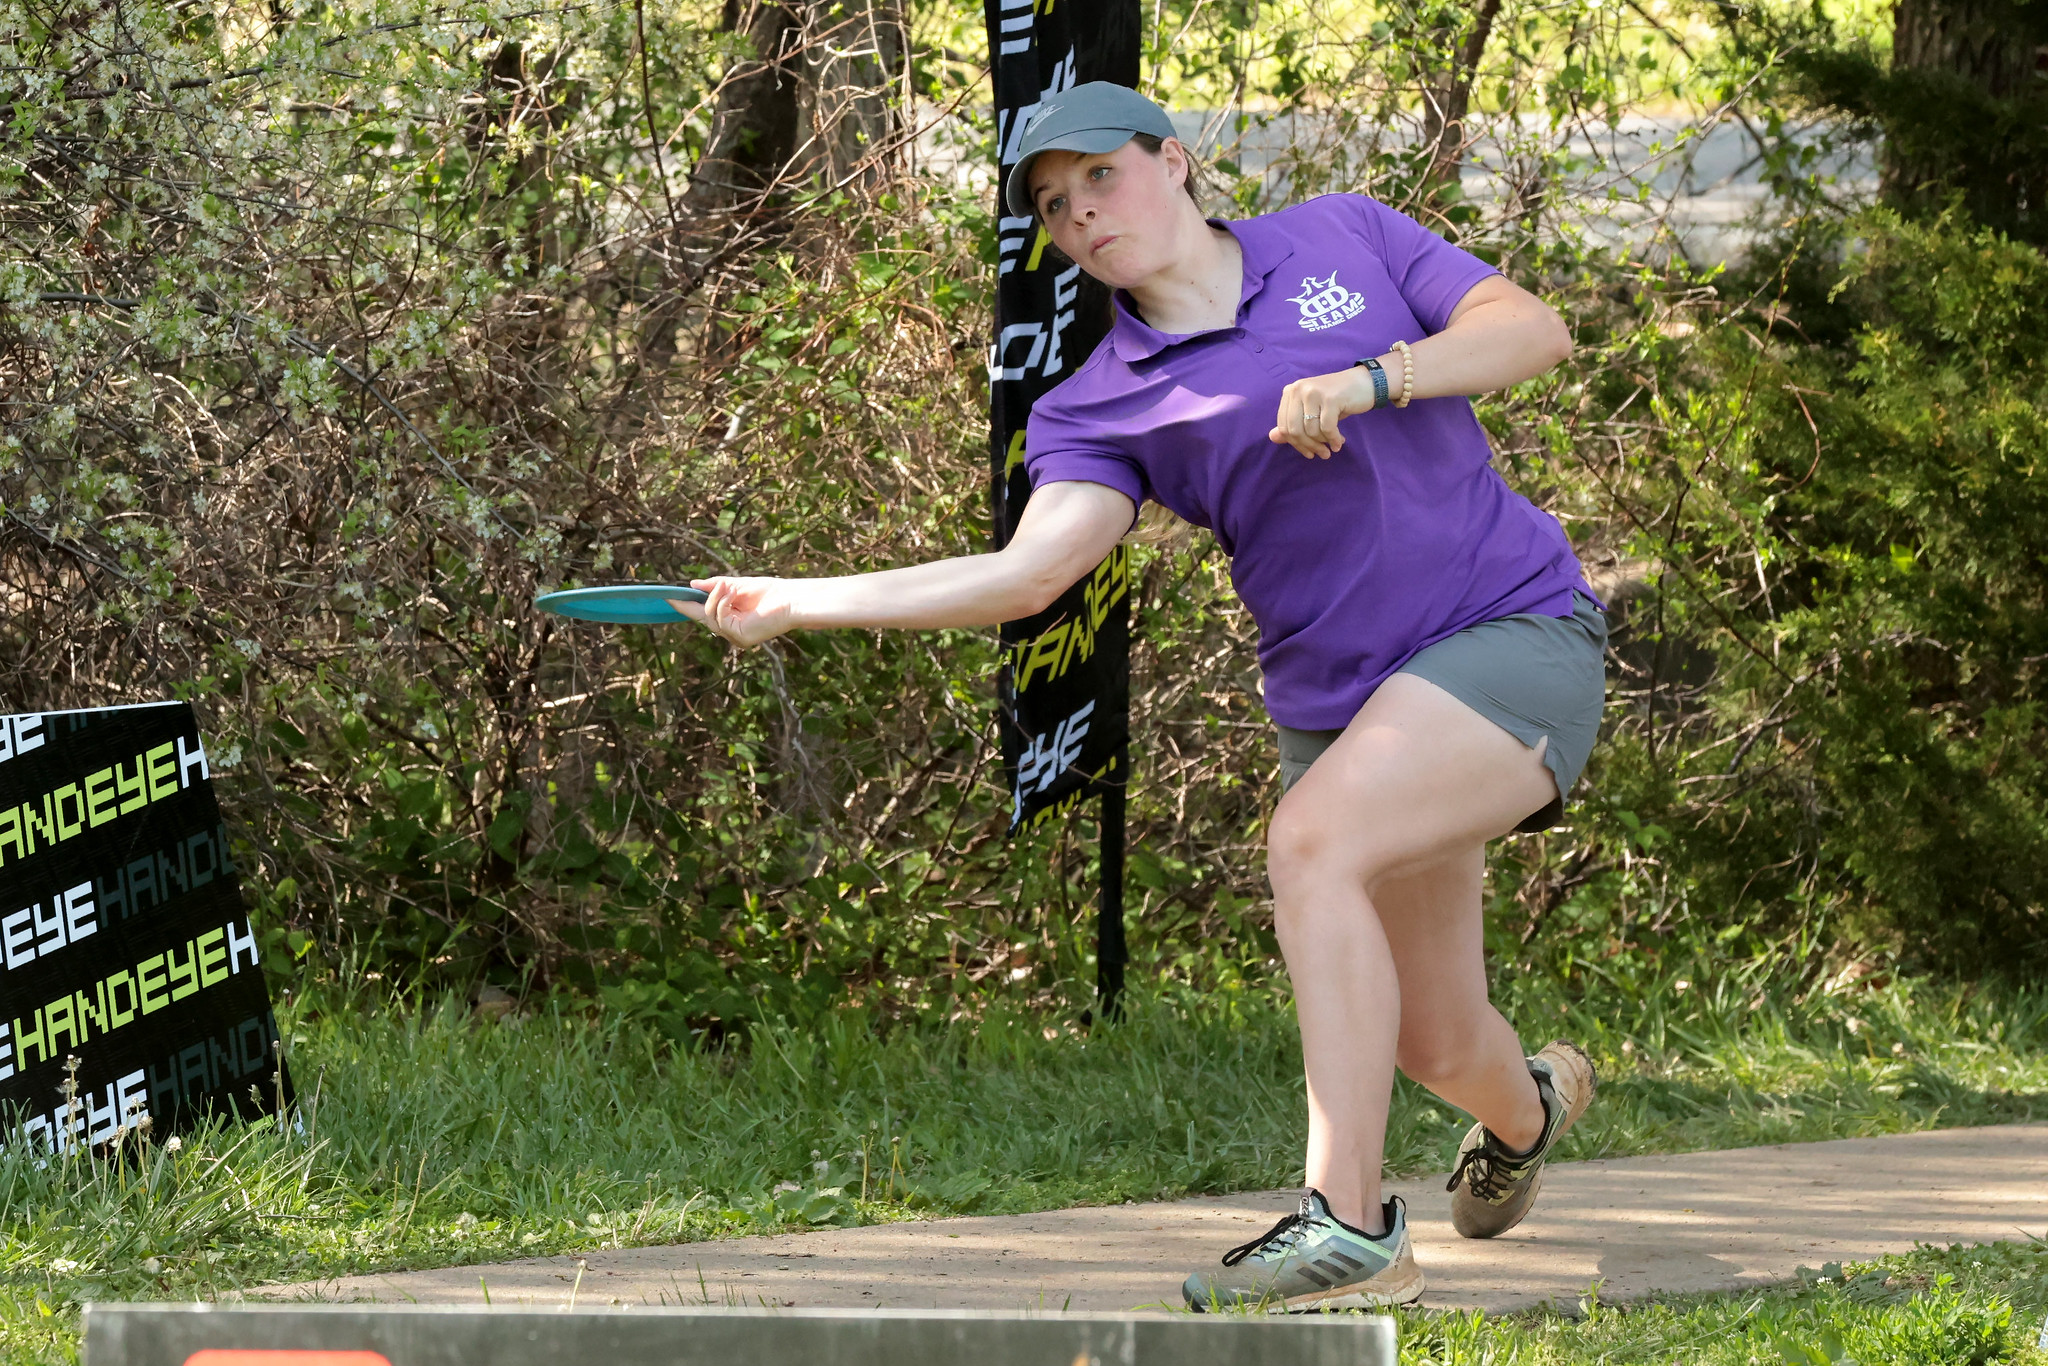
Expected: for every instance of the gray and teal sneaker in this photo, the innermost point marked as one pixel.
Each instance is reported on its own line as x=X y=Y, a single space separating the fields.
x=1492 y=1187
x=1313 y=1260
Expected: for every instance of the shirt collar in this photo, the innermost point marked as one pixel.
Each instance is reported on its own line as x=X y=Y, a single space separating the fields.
x=1263 y=250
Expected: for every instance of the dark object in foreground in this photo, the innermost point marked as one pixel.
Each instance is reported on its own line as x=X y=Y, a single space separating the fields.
x=135 y=1005
x=414 y=1335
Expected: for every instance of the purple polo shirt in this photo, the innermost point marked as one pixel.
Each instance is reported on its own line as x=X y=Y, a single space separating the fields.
x=1349 y=565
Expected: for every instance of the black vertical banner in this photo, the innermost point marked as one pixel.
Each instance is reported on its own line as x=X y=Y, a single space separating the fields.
x=130 y=982
x=1065 y=682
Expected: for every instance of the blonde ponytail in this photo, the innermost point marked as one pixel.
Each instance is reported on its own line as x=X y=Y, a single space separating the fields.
x=1158 y=526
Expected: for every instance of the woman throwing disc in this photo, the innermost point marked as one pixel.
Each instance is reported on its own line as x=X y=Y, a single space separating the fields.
x=1431 y=651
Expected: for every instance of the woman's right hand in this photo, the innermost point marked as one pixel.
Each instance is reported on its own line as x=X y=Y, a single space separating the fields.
x=744 y=611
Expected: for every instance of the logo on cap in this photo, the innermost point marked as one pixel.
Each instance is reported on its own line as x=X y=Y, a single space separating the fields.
x=1325 y=303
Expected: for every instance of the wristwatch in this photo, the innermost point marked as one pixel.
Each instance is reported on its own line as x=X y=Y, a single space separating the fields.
x=1380 y=387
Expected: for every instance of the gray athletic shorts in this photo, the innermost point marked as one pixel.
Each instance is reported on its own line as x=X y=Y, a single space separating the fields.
x=1531 y=675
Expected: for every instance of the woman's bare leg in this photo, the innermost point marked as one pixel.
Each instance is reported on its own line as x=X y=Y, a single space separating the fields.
x=1452 y=1039
x=1416 y=779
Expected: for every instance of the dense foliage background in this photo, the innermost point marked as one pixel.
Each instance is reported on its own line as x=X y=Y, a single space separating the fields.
x=330 y=335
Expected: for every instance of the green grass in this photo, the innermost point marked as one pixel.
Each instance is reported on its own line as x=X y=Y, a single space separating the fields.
x=437 y=1139
x=1963 y=1306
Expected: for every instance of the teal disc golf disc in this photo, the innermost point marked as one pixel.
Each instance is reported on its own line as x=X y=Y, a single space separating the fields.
x=626 y=604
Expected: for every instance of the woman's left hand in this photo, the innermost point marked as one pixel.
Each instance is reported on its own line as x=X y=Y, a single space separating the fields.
x=1311 y=408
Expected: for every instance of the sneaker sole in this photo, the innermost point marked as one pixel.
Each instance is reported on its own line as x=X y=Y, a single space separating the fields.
x=1396 y=1285
x=1567 y=1059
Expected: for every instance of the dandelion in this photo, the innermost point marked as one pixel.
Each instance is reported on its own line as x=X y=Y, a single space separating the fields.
x=152 y=1265
x=173 y=1144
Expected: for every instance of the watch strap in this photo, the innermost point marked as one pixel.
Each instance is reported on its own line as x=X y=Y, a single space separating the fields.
x=1380 y=387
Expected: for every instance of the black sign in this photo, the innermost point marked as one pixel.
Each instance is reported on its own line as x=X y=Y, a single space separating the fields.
x=129 y=980
x=1065 y=686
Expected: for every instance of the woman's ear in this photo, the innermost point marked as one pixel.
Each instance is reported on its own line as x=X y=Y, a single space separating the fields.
x=1176 y=161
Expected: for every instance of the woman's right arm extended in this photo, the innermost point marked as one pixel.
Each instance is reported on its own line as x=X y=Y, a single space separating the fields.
x=1067 y=529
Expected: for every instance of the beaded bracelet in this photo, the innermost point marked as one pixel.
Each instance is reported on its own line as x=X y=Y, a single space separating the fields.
x=1407 y=374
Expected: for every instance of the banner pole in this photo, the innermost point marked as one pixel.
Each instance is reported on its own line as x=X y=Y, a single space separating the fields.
x=1063 y=687
x=1111 y=952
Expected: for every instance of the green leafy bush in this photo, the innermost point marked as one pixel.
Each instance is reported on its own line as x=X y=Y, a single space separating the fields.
x=1840 y=521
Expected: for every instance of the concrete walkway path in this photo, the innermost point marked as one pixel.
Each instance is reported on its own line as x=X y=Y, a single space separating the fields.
x=1702 y=1221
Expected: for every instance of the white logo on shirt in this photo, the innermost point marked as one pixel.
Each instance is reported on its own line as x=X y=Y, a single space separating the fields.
x=1325 y=303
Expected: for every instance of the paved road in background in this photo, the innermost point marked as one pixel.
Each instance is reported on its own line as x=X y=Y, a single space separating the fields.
x=1706 y=184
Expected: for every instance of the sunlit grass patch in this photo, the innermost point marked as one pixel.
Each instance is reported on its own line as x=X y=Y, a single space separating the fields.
x=1962 y=1306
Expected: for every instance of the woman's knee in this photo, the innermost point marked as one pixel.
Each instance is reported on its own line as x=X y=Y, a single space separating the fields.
x=1309 y=840
x=1295 y=840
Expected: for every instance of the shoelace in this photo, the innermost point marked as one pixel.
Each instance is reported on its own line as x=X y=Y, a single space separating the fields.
x=1492 y=1169
x=1492 y=1166
x=1285 y=1234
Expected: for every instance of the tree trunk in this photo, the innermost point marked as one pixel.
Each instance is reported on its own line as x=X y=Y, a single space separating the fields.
x=746 y=157
x=818 y=99
x=1966 y=109
x=1982 y=41
x=854 y=63
x=1449 y=99
x=754 y=129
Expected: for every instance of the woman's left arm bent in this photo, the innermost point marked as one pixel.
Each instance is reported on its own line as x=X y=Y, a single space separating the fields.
x=1499 y=334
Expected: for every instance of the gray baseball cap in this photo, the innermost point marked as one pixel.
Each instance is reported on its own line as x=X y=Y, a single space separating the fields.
x=1099 y=116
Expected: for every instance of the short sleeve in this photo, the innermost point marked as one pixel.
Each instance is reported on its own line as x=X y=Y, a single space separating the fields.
x=1060 y=444
x=1431 y=274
